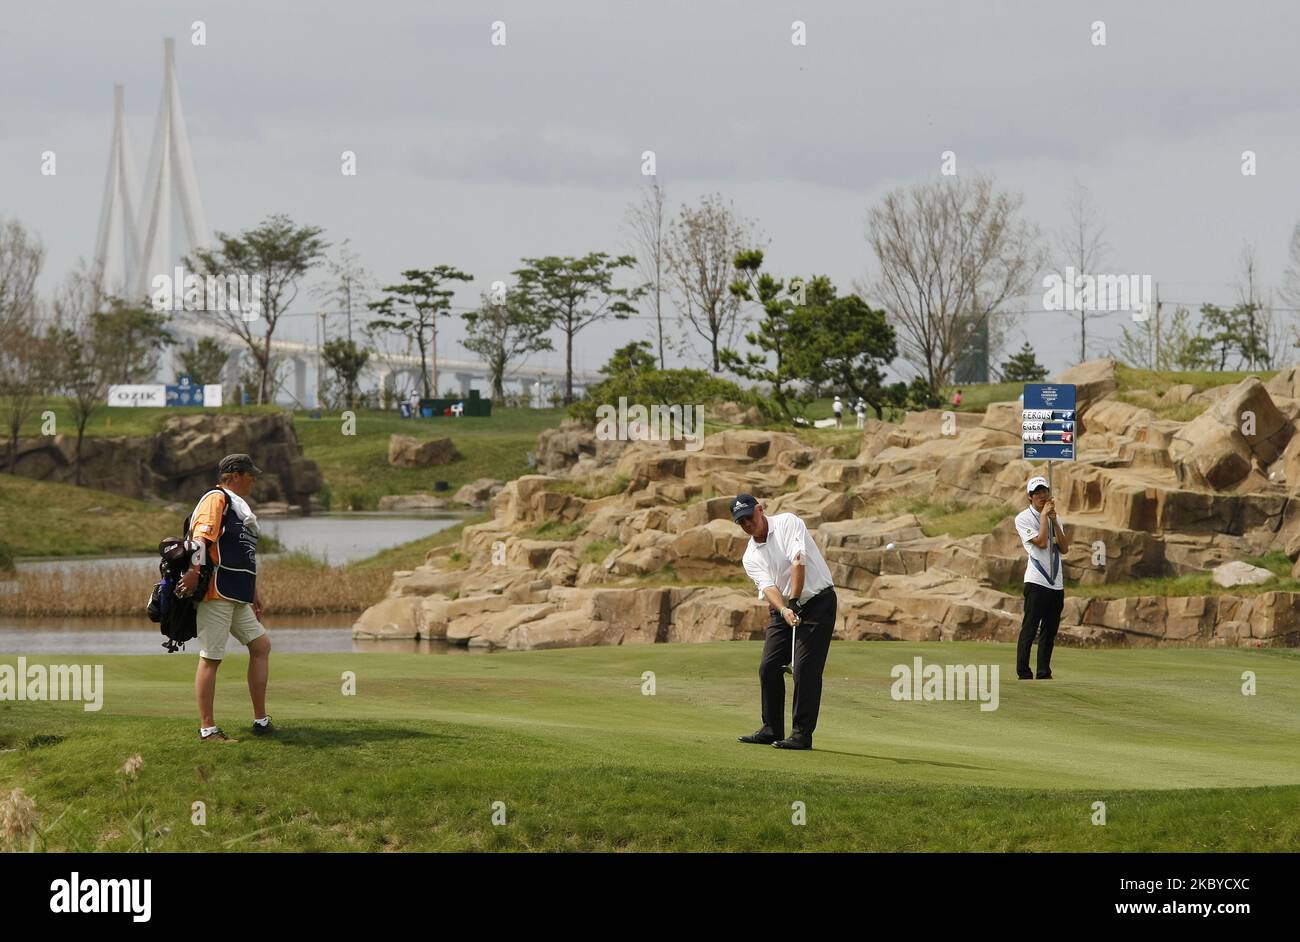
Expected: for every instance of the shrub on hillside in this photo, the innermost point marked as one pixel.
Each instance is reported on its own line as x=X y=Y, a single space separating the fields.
x=631 y=374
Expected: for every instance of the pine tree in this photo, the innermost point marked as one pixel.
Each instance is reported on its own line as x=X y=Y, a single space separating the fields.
x=1024 y=367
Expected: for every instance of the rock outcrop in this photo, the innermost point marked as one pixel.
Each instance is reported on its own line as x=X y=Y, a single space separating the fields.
x=180 y=462
x=657 y=558
x=406 y=451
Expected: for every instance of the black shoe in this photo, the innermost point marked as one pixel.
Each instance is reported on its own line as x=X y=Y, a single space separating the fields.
x=1025 y=676
x=1043 y=677
x=761 y=738
x=267 y=730
x=792 y=743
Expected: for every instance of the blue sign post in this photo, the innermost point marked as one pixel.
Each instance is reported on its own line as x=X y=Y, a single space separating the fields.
x=1047 y=429
x=1047 y=423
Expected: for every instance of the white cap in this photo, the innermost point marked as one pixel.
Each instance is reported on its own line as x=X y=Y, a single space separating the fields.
x=1035 y=483
x=837 y=398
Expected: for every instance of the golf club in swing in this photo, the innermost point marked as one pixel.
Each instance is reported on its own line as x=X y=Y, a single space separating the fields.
x=789 y=668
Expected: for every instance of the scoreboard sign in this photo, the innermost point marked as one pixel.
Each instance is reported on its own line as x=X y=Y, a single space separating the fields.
x=1047 y=422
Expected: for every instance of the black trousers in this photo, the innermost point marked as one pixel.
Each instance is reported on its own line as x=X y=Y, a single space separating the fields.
x=812 y=642
x=1042 y=617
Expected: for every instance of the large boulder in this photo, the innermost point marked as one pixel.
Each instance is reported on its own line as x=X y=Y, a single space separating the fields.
x=1093 y=380
x=1285 y=383
x=815 y=505
x=707 y=614
x=1241 y=573
x=1242 y=432
x=478 y=493
x=406 y=451
x=514 y=501
x=575 y=446
x=390 y=618
x=703 y=551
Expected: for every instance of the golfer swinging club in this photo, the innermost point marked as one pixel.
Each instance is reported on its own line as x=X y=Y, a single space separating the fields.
x=785 y=563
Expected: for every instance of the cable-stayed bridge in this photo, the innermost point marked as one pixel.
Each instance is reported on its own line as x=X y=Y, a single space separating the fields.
x=143 y=233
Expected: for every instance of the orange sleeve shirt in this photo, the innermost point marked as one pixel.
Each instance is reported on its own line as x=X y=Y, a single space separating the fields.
x=206 y=525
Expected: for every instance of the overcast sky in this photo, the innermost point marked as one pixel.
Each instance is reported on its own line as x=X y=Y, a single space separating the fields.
x=477 y=155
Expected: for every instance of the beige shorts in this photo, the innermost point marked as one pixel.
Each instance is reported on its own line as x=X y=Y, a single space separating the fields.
x=218 y=619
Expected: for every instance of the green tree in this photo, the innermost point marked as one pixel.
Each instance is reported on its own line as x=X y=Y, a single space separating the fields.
x=502 y=330
x=1235 y=330
x=920 y=394
x=1023 y=367
x=413 y=308
x=772 y=334
x=1180 y=346
x=633 y=358
x=129 y=340
x=843 y=343
x=572 y=293
x=24 y=363
x=204 y=361
x=270 y=260
x=345 y=361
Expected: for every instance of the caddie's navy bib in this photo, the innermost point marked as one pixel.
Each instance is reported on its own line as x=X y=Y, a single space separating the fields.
x=236 y=573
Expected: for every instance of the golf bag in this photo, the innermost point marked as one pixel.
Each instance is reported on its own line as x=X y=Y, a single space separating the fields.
x=176 y=617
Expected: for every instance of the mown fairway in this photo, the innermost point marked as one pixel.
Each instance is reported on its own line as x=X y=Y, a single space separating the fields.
x=583 y=760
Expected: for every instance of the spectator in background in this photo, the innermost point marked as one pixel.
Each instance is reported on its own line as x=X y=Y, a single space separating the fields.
x=838 y=408
x=956 y=399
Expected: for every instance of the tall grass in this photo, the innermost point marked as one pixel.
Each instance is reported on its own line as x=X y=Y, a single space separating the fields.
x=289 y=585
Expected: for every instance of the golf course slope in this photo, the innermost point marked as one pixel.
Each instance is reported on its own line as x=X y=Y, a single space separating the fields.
x=583 y=759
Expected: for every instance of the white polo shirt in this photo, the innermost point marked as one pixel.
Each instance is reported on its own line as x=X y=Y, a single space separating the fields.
x=1027 y=524
x=771 y=563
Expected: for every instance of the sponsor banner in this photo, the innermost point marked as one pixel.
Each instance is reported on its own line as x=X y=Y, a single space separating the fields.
x=137 y=395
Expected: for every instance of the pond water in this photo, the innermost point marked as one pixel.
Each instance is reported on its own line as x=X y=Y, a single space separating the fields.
x=290 y=634
x=336 y=538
